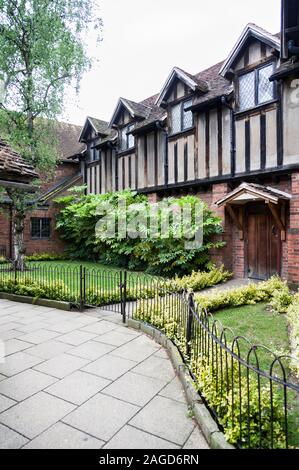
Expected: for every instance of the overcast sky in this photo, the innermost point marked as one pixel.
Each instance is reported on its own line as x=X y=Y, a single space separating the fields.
x=144 y=39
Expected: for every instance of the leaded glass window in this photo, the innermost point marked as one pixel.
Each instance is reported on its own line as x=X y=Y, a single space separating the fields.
x=266 y=88
x=176 y=122
x=255 y=88
x=40 y=227
x=127 y=140
x=181 y=119
x=247 y=91
x=188 y=116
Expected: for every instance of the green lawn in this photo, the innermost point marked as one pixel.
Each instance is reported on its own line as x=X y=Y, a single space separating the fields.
x=98 y=277
x=261 y=326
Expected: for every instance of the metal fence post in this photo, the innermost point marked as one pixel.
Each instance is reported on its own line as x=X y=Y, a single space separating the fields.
x=189 y=324
x=81 y=289
x=124 y=298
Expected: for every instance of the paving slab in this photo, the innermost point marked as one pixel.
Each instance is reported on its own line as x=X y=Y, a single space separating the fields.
x=62 y=365
x=115 y=338
x=10 y=439
x=94 y=384
x=100 y=327
x=196 y=441
x=23 y=385
x=15 y=345
x=101 y=416
x=75 y=338
x=137 y=350
x=34 y=415
x=157 y=368
x=134 y=388
x=62 y=436
x=109 y=367
x=131 y=438
x=6 y=403
x=78 y=387
x=174 y=391
x=166 y=419
x=39 y=336
x=91 y=350
x=18 y=362
x=49 y=349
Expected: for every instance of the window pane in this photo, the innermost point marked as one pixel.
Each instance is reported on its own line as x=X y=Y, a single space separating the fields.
x=131 y=137
x=247 y=91
x=45 y=228
x=123 y=139
x=35 y=228
x=176 y=124
x=188 y=116
x=266 y=88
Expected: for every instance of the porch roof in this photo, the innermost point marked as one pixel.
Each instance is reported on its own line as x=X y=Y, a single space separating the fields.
x=250 y=192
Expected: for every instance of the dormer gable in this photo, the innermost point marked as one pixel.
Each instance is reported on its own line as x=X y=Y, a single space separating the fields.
x=92 y=129
x=128 y=111
x=254 y=45
x=179 y=84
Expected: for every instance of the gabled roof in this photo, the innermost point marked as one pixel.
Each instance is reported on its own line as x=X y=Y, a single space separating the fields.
x=99 y=126
x=192 y=81
x=250 y=31
x=253 y=192
x=136 y=110
x=13 y=167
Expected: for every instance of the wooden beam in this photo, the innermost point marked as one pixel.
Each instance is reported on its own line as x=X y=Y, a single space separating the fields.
x=277 y=217
x=238 y=220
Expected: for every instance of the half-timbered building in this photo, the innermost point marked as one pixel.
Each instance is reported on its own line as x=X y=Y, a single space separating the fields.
x=230 y=135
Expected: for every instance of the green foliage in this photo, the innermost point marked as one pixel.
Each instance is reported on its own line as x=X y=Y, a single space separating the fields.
x=229 y=397
x=54 y=290
x=199 y=280
x=293 y=319
x=247 y=295
x=281 y=299
x=157 y=254
x=46 y=257
x=230 y=402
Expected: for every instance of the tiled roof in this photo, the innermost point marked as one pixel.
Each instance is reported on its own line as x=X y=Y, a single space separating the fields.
x=13 y=166
x=99 y=125
x=67 y=136
x=139 y=109
x=218 y=86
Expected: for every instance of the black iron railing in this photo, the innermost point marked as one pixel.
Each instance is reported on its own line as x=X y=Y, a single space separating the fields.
x=248 y=389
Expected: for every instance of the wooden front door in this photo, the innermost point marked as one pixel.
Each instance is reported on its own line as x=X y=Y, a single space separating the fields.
x=263 y=244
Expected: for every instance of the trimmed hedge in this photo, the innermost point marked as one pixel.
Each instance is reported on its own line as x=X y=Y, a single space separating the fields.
x=293 y=319
x=247 y=295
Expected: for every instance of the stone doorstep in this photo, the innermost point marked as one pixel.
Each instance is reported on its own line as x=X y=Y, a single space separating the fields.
x=215 y=438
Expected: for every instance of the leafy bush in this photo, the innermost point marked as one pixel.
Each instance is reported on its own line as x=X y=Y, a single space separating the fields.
x=46 y=257
x=158 y=255
x=53 y=290
x=281 y=299
x=201 y=280
x=3 y=260
x=228 y=400
x=293 y=319
x=247 y=295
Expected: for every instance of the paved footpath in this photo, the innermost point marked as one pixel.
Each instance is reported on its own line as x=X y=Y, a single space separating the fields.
x=72 y=380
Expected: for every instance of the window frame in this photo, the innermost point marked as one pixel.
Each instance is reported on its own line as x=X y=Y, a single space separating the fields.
x=256 y=72
x=182 y=112
x=40 y=219
x=127 y=129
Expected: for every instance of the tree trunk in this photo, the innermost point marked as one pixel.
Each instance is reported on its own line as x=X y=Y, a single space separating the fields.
x=18 y=241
